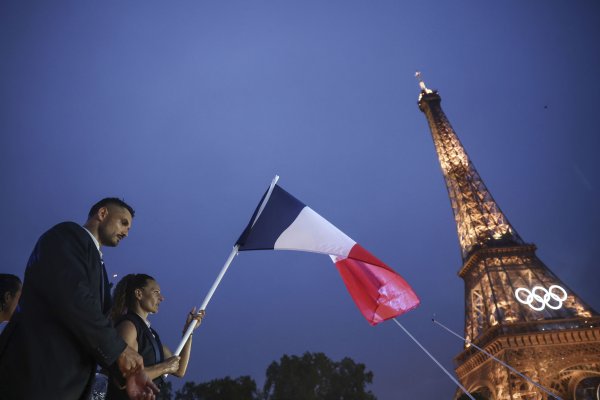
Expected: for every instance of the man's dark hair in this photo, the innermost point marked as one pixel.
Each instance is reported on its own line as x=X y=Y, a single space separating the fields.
x=110 y=200
x=8 y=283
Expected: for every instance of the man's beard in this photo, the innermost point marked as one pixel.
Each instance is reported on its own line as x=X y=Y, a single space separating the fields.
x=107 y=240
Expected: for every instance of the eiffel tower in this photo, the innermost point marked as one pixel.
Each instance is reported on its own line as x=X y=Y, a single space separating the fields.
x=515 y=307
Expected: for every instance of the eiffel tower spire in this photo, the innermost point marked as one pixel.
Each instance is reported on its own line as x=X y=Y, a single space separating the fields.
x=515 y=307
x=479 y=221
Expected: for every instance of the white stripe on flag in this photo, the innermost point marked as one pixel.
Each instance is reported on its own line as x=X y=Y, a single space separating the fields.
x=311 y=232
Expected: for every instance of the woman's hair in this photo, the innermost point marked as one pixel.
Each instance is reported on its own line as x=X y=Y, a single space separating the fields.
x=124 y=293
x=8 y=283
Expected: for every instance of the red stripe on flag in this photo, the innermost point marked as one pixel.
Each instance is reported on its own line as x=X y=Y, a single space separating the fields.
x=358 y=252
x=378 y=291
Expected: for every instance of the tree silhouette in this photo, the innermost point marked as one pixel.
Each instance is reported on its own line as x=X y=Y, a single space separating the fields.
x=316 y=377
x=313 y=376
x=166 y=391
x=242 y=388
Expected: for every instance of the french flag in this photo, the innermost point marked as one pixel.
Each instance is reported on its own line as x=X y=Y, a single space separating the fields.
x=285 y=223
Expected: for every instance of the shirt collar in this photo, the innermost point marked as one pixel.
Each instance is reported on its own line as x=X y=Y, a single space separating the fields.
x=95 y=240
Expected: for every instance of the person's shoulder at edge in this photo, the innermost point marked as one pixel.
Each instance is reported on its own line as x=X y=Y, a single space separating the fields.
x=67 y=226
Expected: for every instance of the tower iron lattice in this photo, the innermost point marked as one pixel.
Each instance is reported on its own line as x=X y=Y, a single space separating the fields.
x=515 y=307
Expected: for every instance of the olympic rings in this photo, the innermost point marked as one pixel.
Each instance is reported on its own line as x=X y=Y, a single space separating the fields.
x=545 y=300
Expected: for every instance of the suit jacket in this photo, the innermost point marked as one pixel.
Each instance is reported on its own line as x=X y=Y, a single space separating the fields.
x=50 y=348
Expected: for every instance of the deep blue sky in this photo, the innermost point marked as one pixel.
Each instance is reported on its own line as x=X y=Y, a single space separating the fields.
x=188 y=109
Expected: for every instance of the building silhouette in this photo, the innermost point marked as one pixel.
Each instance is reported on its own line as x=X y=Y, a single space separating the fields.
x=515 y=307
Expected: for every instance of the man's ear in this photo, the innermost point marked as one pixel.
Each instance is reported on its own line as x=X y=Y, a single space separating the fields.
x=138 y=294
x=102 y=213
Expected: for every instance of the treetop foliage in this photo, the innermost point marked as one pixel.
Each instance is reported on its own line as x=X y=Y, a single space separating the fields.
x=312 y=376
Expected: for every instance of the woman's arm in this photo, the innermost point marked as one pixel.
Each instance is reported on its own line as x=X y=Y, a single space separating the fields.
x=185 y=358
x=187 y=348
x=127 y=331
x=169 y=366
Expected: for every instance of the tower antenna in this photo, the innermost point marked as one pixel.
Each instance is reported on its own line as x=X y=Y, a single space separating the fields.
x=421 y=83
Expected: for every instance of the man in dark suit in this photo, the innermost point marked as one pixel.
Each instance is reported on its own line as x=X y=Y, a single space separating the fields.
x=51 y=347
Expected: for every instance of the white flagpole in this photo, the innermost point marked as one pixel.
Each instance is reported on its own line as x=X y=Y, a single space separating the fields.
x=264 y=203
x=194 y=322
x=554 y=395
x=434 y=360
x=234 y=252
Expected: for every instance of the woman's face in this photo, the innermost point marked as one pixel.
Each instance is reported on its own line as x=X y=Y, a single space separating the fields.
x=149 y=297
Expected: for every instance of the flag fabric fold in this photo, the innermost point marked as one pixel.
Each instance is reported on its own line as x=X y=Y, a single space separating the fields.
x=286 y=223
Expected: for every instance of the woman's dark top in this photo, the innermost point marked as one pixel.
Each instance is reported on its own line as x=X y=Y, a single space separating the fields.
x=149 y=347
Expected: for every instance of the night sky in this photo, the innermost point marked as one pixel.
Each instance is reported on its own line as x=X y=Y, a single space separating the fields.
x=188 y=109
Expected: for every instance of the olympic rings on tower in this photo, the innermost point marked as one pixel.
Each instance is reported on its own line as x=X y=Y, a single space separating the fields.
x=549 y=295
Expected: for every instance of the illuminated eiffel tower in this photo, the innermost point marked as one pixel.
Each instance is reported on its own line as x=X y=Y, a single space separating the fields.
x=515 y=307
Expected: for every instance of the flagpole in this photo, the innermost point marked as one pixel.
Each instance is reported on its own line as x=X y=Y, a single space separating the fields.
x=232 y=255
x=467 y=341
x=434 y=360
x=267 y=196
x=194 y=322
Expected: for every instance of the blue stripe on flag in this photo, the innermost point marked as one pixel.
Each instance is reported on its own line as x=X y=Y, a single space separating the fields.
x=282 y=209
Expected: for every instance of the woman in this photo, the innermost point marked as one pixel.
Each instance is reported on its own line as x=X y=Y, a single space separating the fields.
x=136 y=296
x=10 y=291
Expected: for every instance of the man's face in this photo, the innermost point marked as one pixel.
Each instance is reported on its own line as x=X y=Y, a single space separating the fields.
x=114 y=225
